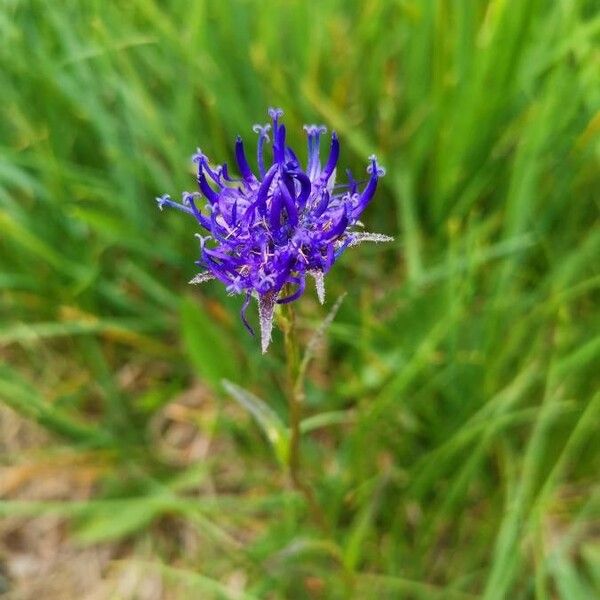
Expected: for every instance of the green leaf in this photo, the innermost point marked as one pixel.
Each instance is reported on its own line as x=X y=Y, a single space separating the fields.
x=272 y=426
x=325 y=419
x=110 y=524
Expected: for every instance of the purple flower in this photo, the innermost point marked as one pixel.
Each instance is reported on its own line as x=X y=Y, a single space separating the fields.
x=269 y=229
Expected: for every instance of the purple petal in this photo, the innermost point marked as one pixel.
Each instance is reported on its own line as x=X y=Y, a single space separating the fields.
x=305 y=187
x=261 y=195
x=296 y=294
x=262 y=131
x=338 y=228
x=290 y=206
x=334 y=154
x=352 y=185
x=369 y=191
x=189 y=201
x=208 y=192
x=242 y=162
x=279 y=145
x=291 y=157
x=313 y=165
x=225 y=173
x=165 y=200
x=323 y=204
x=243 y=313
x=275 y=212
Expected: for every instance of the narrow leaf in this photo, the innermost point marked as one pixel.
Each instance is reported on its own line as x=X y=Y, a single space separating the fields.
x=268 y=420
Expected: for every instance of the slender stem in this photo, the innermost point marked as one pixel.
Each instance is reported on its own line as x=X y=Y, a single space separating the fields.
x=295 y=393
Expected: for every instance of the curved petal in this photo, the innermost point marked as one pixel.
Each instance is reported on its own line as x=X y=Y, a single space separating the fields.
x=243 y=313
x=279 y=145
x=296 y=294
x=206 y=190
x=367 y=195
x=189 y=200
x=290 y=206
x=242 y=162
x=337 y=228
x=334 y=154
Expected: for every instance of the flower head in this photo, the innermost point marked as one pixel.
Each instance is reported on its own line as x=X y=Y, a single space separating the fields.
x=268 y=230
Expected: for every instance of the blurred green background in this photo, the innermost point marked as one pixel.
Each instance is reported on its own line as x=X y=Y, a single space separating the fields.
x=454 y=405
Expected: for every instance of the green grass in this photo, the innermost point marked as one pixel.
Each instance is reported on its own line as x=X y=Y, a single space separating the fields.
x=453 y=443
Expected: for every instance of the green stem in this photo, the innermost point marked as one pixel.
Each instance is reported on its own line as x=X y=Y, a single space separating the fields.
x=295 y=394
